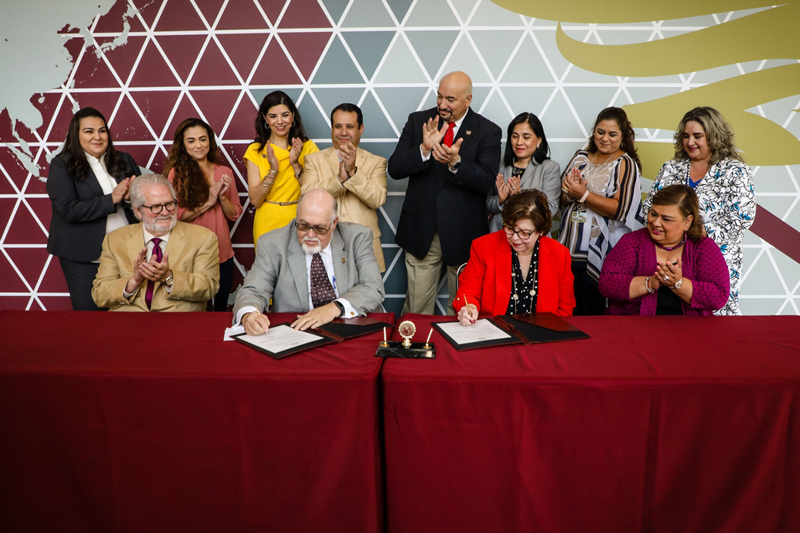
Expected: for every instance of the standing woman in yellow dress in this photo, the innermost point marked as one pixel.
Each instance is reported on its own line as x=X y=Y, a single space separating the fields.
x=275 y=163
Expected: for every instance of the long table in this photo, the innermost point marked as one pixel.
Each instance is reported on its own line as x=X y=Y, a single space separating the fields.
x=130 y=422
x=653 y=424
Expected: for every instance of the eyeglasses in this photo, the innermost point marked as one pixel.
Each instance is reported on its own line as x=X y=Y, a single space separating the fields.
x=157 y=208
x=319 y=230
x=521 y=233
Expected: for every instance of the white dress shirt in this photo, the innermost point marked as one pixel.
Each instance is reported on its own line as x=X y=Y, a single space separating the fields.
x=107 y=183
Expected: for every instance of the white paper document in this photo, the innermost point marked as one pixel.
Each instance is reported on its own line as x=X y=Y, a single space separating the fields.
x=480 y=331
x=280 y=338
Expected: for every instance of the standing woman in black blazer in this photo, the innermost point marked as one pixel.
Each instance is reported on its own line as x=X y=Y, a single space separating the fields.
x=88 y=186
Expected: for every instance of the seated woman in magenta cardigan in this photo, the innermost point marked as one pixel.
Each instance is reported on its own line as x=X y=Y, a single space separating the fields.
x=668 y=268
x=517 y=270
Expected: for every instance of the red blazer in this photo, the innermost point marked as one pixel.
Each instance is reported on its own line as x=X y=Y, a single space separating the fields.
x=486 y=280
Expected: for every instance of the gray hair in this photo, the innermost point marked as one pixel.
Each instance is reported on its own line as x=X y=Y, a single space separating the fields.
x=137 y=196
x=321 y=192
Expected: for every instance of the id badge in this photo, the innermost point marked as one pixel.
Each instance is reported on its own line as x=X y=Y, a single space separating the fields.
x=579 y=217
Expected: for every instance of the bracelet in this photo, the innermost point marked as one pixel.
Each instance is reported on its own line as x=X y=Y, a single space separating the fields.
x=271 y=174
x=647 y=285
x=300 y=174
x=267 y=183
x=584 y=197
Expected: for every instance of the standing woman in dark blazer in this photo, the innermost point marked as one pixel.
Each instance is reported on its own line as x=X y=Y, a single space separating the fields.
x=88 y=186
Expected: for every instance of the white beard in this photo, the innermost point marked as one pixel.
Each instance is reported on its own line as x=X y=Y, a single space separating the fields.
x=158 y=226
x=311 y=250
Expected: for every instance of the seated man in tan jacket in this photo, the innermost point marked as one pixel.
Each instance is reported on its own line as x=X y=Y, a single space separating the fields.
x=160 y=264
x=355 y=177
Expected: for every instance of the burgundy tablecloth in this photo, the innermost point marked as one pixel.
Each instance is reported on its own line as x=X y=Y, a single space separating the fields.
x=133 y=422
x=654 y=424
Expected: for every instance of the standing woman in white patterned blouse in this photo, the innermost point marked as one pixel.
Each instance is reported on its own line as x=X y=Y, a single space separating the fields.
x=601 y=200
x=707 y=160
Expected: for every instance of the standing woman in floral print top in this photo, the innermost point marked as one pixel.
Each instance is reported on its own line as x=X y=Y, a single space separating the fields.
x=707 y=160
x=601 y=200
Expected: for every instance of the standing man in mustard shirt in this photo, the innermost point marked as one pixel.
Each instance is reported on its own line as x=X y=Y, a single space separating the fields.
x=355 y=177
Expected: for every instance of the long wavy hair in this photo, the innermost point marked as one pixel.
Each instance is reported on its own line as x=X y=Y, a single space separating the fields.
x=262 y=129
x=719 y=135
x=74 y=158
x=190 y=183
x=685 y=198
x=628 y=144
x=541 y=153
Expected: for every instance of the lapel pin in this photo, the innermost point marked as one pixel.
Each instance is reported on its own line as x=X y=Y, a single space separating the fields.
x=469 y=132
x=344 y=260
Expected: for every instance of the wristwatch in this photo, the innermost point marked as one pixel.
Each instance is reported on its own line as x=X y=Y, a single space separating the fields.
x=170 y=279
x=678 y=283
x=340 y=305
x=455 y=165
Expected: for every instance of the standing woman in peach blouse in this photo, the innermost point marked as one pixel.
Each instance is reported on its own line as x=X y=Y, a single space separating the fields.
x=275 y=163
x=206 y=193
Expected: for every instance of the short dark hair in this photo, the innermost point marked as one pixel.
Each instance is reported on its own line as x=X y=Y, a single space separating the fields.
x=541 y=153
x=530 y=204
x=685 y=198
x=349 y=108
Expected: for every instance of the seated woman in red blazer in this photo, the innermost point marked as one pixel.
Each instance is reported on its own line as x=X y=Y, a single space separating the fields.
x=518 y=270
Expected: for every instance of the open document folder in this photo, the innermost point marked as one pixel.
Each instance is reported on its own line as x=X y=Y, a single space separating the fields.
x=281 y=340
x=509 y=329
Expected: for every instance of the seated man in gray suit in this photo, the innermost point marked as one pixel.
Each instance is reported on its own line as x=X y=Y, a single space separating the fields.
x=315 y=265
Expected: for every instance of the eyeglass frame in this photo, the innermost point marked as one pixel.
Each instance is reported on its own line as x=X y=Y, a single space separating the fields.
x=318 y=230
x=518 y=232
x=161 y=207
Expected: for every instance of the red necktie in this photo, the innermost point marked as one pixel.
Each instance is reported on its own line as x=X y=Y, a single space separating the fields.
x=148 y=296
x=448 y=137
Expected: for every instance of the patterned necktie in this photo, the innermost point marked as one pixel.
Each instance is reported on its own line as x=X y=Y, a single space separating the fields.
x=148 y=296
x=448 y=137
x=321 y=289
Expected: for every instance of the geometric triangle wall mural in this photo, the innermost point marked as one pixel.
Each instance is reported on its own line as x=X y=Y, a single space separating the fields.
x=148 y=65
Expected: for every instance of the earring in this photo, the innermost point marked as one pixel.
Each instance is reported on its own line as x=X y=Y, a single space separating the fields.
x=294 y=123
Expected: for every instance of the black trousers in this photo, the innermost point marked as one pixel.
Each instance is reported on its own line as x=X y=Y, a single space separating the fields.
x=225 y=282
x=588 y=300
x=80 y=277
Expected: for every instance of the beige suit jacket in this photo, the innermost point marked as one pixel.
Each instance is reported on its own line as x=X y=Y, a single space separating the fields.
x=359 y=196
x=193 y=258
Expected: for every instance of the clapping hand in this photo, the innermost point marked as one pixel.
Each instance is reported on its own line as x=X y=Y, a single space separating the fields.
x=272 y=158
x=227 y=181
x=574 y=185
x=669 y=274
x=503 y=189
x=121 y=191
x=347 y=160
x=447 y=154
x=431 y=134
x=155 y=271
x=514 y=185
x=214 y=191
x=294 y=152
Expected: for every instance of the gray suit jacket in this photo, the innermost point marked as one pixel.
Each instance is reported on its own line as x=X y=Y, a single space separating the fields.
x=279 y=271
x=544 y=176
